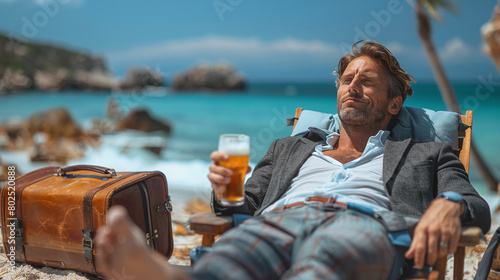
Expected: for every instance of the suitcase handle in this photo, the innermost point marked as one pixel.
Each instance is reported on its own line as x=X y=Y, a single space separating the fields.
x=104 y=170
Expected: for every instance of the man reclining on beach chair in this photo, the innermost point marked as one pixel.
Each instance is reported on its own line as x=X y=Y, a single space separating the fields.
x=310 y=196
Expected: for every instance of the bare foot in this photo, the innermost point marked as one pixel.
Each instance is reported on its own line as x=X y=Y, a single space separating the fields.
x=122 y=253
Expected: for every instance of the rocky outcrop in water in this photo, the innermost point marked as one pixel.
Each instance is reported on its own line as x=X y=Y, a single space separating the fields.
x=220 y=77
x=56 y=123
x=140 y=78
x=140 y=129
x=141 y=120
x=54 y=136
x=51 y=136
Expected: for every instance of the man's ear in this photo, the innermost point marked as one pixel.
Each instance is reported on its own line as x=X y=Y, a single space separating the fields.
x=395 y=105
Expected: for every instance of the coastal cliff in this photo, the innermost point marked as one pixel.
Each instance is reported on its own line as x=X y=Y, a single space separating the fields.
x=33 y=66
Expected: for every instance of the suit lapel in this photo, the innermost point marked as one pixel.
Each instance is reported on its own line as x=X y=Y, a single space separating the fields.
x=393 y=153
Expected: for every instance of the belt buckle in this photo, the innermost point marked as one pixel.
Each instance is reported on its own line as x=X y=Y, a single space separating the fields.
x=326 y=202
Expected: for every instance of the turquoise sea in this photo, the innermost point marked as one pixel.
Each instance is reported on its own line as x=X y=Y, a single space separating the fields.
x=198 y=118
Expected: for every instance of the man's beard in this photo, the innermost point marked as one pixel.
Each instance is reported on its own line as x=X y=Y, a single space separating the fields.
x=367 y=116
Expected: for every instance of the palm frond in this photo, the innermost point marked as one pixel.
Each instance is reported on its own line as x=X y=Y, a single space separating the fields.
x=432 y=7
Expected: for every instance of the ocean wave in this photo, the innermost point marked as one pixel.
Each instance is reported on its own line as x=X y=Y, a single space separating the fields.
x=136 y=139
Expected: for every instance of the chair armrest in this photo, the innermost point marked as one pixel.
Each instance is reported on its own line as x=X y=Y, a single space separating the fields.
x=210 y=225
x=470 y=236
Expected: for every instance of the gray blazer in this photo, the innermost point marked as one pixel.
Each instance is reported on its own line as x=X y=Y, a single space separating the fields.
x=413 y=174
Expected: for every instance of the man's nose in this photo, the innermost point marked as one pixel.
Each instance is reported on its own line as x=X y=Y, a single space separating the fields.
x=354 y=86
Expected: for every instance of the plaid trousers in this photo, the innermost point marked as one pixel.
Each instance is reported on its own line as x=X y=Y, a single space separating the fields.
x=312 y=241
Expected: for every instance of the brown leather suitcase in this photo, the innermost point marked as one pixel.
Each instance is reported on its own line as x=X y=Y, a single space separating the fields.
x=50 y=215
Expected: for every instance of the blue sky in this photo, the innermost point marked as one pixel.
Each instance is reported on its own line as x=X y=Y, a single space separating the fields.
x=264 y=40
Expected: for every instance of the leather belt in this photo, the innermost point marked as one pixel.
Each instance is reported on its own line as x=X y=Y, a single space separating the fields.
x=326 y=200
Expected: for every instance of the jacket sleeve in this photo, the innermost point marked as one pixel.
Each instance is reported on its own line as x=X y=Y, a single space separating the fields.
x=255 y=187
x=451 y=176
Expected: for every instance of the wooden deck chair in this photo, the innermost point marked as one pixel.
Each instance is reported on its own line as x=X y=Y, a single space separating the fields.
x=210 y=225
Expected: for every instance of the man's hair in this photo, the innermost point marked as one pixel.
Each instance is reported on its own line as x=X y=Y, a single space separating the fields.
x=399 y=80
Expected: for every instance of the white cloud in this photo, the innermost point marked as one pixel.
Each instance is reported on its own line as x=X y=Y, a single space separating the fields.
x=226 y=47
x=395 y=47
x=456 y=48
x=454 y=51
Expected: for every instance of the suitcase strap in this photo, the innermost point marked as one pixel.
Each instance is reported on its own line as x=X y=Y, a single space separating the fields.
x=22 y=183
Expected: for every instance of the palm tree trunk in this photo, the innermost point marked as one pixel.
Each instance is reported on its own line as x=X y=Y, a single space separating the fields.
x=448 y=93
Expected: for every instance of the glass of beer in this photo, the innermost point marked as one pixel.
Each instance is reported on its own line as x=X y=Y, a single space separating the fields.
x=237 y=146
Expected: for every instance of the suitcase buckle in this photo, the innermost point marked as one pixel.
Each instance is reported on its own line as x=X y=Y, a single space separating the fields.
x=88 y=243
x=18 y=235
x=168 y=205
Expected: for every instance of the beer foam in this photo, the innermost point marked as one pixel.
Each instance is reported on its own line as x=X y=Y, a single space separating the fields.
x=236 y=150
